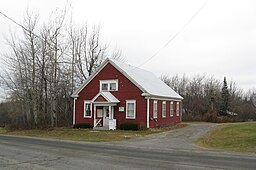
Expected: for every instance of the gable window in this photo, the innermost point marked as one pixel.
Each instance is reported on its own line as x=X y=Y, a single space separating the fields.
x=155 y=109
x=171 y=109
x=112 y=86
x=87 y=109
x=164 y=109
x=130 y=109
x=104 y=86
x=177 y=109
x=108 y=85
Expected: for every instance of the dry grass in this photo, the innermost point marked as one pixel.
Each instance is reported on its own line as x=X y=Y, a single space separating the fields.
x=87 y=134
x=238 y=137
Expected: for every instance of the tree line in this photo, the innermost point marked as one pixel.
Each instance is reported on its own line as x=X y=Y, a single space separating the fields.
x=209 y=99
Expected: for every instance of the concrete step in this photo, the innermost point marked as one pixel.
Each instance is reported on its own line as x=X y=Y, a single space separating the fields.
x=101 y=128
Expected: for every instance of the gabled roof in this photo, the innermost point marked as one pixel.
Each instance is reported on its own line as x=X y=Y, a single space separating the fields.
x=108 y=96
x=146 y=81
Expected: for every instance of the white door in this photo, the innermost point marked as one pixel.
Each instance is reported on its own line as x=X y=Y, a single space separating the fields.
x=106 y=116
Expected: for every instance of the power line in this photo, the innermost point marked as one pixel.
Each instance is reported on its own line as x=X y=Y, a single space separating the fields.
x=175 y=35
x=9 y=18
x=29 y=31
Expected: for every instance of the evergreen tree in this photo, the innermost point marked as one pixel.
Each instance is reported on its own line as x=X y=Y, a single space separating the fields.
x=225 y=103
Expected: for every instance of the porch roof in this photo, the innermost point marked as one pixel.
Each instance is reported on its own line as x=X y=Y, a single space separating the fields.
x=109 y=97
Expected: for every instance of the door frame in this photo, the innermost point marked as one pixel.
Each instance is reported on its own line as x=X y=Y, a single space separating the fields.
x=110 y=107
x=106 y=115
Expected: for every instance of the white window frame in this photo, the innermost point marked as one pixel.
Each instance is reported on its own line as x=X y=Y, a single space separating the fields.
x=85 y=103
x=108 y=82
x=177 y=109
x=171 y=109
x=155 y=109
x=163 y=109
x=128 y=102
x=101 y=86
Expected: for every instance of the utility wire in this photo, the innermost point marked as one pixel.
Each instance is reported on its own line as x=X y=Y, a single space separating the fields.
x=29 y=31
x=175 y=35
x=24 y=28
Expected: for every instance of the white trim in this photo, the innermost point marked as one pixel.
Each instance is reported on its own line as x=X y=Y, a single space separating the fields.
x=75 y=94
x=155 y=114
x=107 y=96
x=87 y=102
x=104 y=104
x=148 y=102
x=171 y=109
x=177 y=109
x=107 y=61
x=94 y=116
x=165 y=99
x=163 y=108
x=134 y=102
x=108 y=82
x=110 y=112
x=181 y=111
x=144 y=92
x=127 y=76
x=74 y=111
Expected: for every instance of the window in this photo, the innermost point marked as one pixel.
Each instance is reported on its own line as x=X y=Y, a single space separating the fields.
x=177 y=109
x=104 y=86
x=164 y=109
x=171 y=109
x=155 y=109
x=108 y=85
x=87 y=109
x=130 y=109
x=112 y=87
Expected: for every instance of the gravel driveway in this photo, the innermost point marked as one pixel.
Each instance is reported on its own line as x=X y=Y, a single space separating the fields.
x=178 y=139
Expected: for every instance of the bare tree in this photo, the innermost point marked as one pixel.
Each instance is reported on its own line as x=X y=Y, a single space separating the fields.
x=87 y=50
x=45 y=66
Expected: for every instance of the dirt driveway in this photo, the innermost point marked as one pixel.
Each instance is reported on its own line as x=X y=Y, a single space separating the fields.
x=178 y=139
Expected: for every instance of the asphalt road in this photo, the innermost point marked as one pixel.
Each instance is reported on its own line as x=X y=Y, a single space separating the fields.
x=35 y=153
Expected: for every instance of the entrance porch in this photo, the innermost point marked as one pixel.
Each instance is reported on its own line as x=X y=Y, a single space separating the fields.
x=104 y=117
x=104 y=104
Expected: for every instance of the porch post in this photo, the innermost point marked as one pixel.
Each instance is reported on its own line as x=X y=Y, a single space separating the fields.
x=94 y=115
x=110 y=112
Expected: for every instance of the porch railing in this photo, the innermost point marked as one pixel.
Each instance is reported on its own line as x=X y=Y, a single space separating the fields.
x=98 y=122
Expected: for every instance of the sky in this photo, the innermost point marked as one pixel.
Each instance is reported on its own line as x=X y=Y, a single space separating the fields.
x=219 y=41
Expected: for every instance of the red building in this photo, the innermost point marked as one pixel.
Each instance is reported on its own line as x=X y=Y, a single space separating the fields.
x=118 y=93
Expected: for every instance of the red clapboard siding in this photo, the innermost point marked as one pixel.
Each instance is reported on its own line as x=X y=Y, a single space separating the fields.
x=126 y=91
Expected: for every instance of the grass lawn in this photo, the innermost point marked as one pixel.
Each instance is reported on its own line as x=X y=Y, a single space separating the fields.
x=87 y=134
x=238 y=137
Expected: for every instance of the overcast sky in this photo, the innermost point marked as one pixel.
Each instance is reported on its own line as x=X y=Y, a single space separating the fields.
x=220 y=41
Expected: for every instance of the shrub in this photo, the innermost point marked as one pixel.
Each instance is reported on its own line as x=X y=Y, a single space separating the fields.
x=82 y=126
x=212 y=116
x=130 y=126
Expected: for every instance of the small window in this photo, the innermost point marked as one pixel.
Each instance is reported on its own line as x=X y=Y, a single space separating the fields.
x=108 y=85
x=87 y=109
x=130 y=109
x=155 y=109
x=178 y=109
x=112 y=87
x=171 y=109
x=104 y=86
x=164 y=109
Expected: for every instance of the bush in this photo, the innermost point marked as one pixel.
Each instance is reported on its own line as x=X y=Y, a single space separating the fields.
x=130 y=126
x=212 y=116
x=82 y=126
